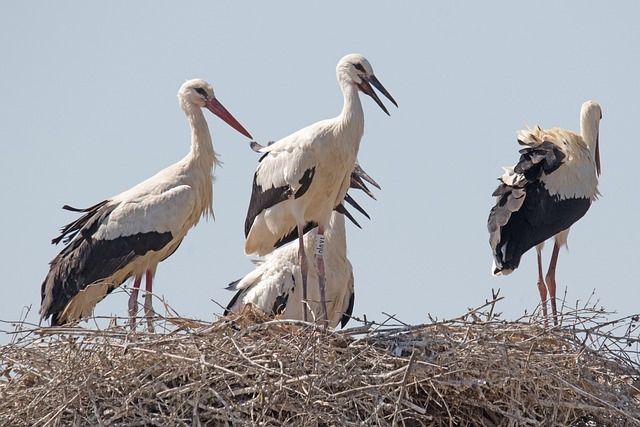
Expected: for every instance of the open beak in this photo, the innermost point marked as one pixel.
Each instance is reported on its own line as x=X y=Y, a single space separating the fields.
x=362 y=174
x=218 y=109
x=365 y=86
x=357 y=177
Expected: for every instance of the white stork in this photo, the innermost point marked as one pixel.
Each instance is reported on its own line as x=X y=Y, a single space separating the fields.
x=301 y=178
x=274 y=287
x=128 y=234
x=549 y=189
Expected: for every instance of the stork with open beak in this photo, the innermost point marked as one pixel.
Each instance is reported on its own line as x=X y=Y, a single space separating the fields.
x=303 y=177
x=275 y=285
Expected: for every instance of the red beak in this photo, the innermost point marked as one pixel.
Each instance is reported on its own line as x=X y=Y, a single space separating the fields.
x=218 y=109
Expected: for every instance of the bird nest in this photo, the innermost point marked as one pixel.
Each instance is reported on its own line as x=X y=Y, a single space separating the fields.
x=248 y=370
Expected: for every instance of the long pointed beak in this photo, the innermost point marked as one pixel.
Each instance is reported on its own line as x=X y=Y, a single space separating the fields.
x=365 y=86
x=364 y=175
x=218 y=109
x=357 y=177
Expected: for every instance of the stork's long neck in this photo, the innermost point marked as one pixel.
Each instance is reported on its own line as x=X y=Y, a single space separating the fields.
x=351 y=118
x=202 y=151
x=201 y=158
x=590 y=129
x=589 y=132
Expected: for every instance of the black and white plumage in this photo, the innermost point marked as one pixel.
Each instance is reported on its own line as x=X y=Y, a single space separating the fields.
x=304 y=176
x=275 y=285
x=129 y=234
x=550 y=188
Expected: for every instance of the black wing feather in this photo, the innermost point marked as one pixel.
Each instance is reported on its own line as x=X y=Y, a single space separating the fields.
x=352 y=202
x=231 y=287
x=264 y=199
x=86 y=260
x=342 y=210
x=346 y=316
x=541 y=215
x=293 y=234
x=280 y=304
x=69 y=231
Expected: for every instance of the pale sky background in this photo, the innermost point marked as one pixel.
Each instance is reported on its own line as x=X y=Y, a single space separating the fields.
x=88 y=109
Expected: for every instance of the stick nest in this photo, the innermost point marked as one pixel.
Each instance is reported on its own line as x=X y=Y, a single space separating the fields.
x=249 y=370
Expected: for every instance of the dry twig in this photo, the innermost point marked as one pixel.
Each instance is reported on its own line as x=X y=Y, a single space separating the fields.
x=473 y=370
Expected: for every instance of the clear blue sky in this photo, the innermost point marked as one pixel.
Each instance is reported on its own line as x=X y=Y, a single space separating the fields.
x=88 y=106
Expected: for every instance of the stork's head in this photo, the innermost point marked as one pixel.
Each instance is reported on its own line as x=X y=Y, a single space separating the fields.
x=590 y=117
x=355 y=69
x=199 y=93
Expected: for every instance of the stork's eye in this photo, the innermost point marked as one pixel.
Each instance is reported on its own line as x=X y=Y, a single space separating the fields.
x=201 y=91
x=359 y=67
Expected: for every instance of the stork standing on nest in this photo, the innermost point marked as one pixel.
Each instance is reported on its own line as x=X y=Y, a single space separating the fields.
x=301 y=178
x=546 y=192
x=128 y=234
x=274 y=287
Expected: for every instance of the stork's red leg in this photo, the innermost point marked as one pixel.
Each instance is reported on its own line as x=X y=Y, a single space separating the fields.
x=319 y=258
x=133 y=302
x=148 y=302
x=542 y=288
x=551 y=281
x=304 y=269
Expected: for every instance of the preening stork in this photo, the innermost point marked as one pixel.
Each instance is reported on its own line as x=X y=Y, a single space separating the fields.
x=128 y=234
x=275 y=286
x=301 y=178
x=550 y=188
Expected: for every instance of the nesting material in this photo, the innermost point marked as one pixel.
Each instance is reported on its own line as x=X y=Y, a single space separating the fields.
x=249 y=370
